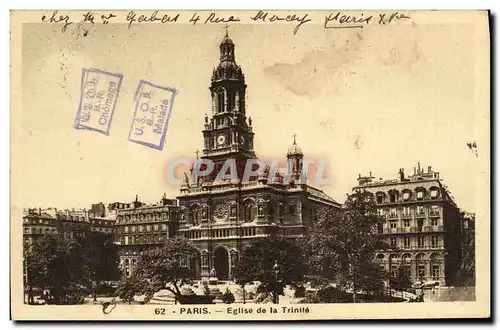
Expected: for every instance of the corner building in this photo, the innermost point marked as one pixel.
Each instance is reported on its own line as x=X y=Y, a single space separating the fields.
x=141 y=227
x=421 y=223
x=221 y=217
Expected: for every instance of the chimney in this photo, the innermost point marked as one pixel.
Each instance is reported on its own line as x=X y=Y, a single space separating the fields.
x=429 y=169
x=414 y=170
x=401 y=174
x=39 y=211
x=370 y=174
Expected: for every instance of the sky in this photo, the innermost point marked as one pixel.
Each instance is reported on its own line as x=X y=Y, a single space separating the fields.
x=373 y=99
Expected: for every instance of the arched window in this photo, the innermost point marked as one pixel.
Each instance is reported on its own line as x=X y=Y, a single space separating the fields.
x=393 y=196
x=195 y=215
x=434 y=192
x=249 y=211
x=230 y=100
x=220 y=100
x=436 y=261
x=406 y=194
x=406 y=258
x=380 y=197
x=420 y=192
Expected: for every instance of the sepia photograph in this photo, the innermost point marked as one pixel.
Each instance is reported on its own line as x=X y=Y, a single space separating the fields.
x=250 y=165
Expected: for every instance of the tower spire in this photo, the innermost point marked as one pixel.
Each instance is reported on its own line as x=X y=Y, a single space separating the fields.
x=226 y=26
x=294 y=139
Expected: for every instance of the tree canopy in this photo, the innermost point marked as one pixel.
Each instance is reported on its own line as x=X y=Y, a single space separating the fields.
x=258 y=259
x=101 y=257
x=56 y=264
x=341 y=244
x=402 y=280
x=161 y=268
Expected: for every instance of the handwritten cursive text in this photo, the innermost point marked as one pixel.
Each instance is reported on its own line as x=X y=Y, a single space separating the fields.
x=263 y=16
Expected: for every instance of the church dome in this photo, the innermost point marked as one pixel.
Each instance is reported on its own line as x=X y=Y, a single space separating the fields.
x=227 y=40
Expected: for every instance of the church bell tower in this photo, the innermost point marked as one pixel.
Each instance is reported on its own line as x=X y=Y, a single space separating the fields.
x=228 y=132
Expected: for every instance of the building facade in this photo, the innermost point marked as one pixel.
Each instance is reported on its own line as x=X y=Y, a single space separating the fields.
x=221 y=216
x=140 y=227
x=37 y=223
x=71 y=224
x=421 y=223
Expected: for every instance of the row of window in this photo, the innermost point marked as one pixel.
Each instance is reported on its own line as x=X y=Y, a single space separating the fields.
x=406 y=195
x=220 y=233
x=28 y=230
x=54 y=223
x=37 y=221
x=100 y=229
x=419 y=241
x=143 y=228
x=143 y=217
x=250 y=210
x=408 y=223
x=142 y=239
x=407 y=211
x=420 y=271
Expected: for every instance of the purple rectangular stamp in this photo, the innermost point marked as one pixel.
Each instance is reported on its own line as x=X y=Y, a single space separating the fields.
x=153 y=106
x=98 y=98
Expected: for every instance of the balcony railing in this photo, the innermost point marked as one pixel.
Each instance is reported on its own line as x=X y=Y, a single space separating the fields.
x=409 y=229
x=434 y=214
x=420 y=215
x=417 y=247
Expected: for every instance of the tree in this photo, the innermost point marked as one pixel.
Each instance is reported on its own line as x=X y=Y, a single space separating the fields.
x=128 y=287
x=401 y=281
x=162 y=268
x=101 y=257
x=258 y=259
x=57 y=264
x=341 y=244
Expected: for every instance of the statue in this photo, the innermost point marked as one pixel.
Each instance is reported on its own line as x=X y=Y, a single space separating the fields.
x=186 y=179
x=250 y=121
x=213 y=273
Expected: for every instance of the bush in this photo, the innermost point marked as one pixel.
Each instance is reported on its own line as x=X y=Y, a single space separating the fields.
x=105 y=290
x=300 y=292
x=331 y=294
x=228 y=297
x=310 y=298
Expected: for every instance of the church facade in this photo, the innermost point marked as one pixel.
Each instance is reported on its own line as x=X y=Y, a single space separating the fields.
x=222 y=216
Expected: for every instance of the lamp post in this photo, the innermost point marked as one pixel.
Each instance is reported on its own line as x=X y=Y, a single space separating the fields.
x=276 y=273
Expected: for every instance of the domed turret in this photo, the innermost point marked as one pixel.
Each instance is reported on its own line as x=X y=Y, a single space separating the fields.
x=227 y=68
x=294 y=157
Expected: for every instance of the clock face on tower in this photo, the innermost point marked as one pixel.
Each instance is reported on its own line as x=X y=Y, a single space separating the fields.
x=221 y=211
x=221 y=139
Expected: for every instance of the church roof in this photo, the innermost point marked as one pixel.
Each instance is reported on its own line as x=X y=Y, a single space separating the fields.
x=321 y=195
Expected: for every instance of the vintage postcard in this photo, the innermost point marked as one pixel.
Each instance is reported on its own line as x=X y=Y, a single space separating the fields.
x=250 y=165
